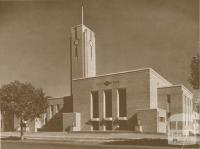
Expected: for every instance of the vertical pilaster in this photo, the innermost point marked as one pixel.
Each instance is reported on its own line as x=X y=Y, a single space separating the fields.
x=101 y=109
x=91 y=106
x=115 y=107
x=91 y=110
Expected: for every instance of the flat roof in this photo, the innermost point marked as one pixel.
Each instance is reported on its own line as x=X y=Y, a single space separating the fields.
x=116 y=73
x=124 y=72
x=180 y=85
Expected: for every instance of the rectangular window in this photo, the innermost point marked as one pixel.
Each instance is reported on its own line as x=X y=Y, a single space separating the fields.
x=168 y=102
x=91 y=53
x=172 y=125
x=76 y=42
x=162 y=119
x=168 y=99
x=122 y=102
x=179 y=125
x=168 y=114
x=76 y=52
x=198 y=108
x=95 y=104
x=185 y=103
x=108 y=103
x=185 y=107
x=91 y=44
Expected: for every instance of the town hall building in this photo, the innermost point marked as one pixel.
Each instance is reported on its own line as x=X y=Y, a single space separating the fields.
x=135 y=100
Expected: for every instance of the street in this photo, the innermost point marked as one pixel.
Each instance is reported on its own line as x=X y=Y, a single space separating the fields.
x=46 y=145
x=54 y=145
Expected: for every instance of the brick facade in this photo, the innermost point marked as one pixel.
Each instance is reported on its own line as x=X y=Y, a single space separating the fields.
x=141 y=93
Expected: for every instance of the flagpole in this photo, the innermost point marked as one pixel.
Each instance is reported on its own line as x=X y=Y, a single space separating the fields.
x=82 y=14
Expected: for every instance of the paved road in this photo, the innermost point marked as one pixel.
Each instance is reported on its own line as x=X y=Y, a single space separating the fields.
x=53 y=145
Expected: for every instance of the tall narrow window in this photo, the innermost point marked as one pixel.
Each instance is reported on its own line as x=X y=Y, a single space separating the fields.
x=198 y=108
x=108 y=103
x=189 y=112
x=91 y=52
x=76 y=52
x=122 y=102
x=185 y=106
x=76 y=42
x=168 y=105
x=162 y=119
x=95 y=104
x=168 y=99
x=91 y=44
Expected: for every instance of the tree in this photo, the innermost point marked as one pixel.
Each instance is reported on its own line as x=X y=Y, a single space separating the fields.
x=194 y=78
x=24 y=100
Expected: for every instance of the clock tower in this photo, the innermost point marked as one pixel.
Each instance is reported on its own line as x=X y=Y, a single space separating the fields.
x=83 y=53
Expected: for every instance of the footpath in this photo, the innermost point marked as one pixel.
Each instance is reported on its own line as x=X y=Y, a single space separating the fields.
x=83 y=136
x=111 y=139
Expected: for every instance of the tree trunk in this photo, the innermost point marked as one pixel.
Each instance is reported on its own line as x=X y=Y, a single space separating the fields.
x=21 y=129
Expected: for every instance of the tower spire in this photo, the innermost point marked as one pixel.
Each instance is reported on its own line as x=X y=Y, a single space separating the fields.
x=82 y=14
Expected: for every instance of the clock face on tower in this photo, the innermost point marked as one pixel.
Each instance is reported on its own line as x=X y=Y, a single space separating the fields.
x=76 y=42
x=91 y=43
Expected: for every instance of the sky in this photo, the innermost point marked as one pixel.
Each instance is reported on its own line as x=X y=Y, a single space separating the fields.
x=130 y=34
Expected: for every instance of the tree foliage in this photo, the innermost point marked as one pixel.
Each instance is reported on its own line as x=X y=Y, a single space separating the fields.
x=194 y=78
x=23 y=99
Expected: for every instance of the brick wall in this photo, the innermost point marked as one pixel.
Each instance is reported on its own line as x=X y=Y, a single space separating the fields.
x=148 y=119
x=156 y=81
x=71 y=122
x=177 y=96
x=137 y=91
x=55 y=122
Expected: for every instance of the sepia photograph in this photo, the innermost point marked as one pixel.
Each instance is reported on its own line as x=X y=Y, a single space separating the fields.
x=100 y=74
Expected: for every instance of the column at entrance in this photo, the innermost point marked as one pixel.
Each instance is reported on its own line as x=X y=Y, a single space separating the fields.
x=102 y=126
x=115 y=109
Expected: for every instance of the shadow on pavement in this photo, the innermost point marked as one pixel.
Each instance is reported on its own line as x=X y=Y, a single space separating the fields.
x=11 y=138
x=148 y=142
